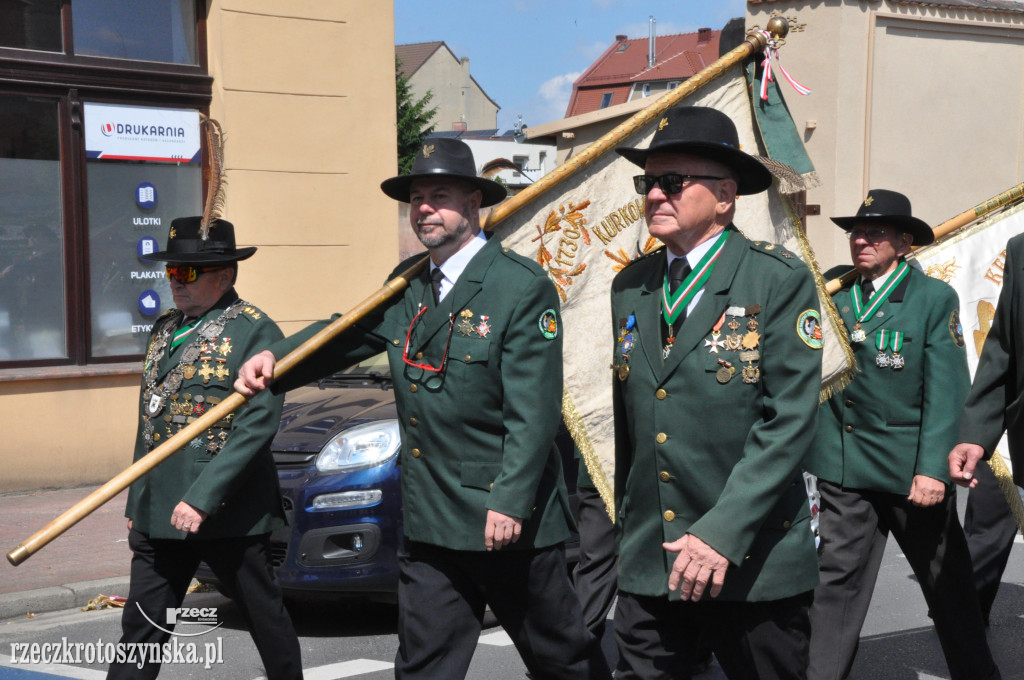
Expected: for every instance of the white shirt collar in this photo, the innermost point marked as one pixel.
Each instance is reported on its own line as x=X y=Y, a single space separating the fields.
x=693 y=257
x=457 y=263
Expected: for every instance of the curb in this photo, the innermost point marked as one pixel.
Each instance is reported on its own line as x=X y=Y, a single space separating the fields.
x=55 y=598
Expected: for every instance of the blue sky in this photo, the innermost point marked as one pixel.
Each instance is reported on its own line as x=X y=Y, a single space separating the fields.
x=526 y=54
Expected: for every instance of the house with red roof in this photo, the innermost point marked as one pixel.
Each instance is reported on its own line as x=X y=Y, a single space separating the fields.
x=635 y=68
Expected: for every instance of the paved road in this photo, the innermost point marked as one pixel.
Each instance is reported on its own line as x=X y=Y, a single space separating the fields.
x=358 y=640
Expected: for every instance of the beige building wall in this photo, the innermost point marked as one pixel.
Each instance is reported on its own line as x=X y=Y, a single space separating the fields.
x=923 y=100
x=457 y=97
x=305 y=92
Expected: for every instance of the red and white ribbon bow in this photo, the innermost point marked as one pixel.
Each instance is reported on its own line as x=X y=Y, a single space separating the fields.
x=772 y=50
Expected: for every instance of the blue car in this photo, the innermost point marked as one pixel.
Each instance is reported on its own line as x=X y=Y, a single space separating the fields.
x=336 y=452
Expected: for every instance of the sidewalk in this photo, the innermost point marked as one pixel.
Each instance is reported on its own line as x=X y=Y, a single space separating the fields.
x=88 y=559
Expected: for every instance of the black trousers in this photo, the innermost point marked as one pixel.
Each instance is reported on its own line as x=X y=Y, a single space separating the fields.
x=990 y=529
x=160 y=575
x=855 y=525
x=659 y=639
x=442 y=594
x=595 y=575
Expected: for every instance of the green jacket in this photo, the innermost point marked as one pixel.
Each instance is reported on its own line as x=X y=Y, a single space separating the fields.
x=228 y=471
x=718 y=460
x=889 y=425
x=994 y=404
x=479 y=435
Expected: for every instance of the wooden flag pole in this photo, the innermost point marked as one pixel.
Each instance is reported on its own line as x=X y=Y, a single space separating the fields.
x=755 y=43
x=122 y=480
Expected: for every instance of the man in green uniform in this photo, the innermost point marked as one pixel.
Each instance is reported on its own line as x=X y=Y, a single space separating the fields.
x=218 y=499
x=475 y=348
x=716 y=378
x=880 y=448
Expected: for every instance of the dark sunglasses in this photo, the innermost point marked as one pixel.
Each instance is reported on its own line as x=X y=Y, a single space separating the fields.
x=870 y=234
x=670 y=182
x=187 y=273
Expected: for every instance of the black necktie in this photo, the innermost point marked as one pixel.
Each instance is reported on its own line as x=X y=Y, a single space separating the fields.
x=867 y=289
x=677 y=271
x=435 y=282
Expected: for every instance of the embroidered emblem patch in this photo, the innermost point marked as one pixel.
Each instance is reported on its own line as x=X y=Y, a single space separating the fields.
x=548 y=324
x=956 y=329
x=808 y=327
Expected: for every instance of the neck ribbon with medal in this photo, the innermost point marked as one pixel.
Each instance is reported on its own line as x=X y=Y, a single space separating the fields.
x=883 y=338
x=154 y=397
x=674 y=304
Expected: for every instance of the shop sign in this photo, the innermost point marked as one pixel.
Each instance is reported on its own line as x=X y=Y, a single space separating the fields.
x=141 y=133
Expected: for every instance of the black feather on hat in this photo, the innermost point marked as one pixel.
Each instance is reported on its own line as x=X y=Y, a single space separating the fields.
x=444 y=157
x=705 y=133
x=889 y=209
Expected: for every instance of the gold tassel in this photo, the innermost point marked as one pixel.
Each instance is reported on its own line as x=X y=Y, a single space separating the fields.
x=574 y=423
x=1005 y=479
x=213 y=209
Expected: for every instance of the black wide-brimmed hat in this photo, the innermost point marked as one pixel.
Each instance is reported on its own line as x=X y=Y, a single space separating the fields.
x=889 y=209
x=705 y=133
x=443 y=157
x=185 y=244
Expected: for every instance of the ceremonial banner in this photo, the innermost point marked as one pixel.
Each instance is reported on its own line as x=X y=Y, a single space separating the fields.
x=972 y=262
x=594 y=225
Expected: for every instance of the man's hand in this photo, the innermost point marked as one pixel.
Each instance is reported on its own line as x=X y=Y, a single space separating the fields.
x=501 y=530
x=696 y=563
x=187 y=518
x=255 y=372
x=926 y=491
x=962 y=460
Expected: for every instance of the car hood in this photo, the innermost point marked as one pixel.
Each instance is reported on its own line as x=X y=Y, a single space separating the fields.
x=312 y=416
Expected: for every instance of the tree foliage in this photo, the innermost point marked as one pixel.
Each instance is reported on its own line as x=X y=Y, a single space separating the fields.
x=413 y=119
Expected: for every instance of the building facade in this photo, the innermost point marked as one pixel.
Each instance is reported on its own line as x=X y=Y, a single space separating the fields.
x=100 y=149
x=460 y=102
x=921 y=96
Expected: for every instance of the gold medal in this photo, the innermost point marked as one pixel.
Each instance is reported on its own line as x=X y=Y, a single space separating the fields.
x=751 y=374
x=189 y=372
x=622 y=371
x=751 y=339
x=733 y=342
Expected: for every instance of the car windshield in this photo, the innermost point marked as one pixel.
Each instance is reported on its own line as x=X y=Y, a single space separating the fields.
x=376 y=366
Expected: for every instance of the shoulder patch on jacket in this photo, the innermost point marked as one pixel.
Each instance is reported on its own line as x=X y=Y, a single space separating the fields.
x=956 y=329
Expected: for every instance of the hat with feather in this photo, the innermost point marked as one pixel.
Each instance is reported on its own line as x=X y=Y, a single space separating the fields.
x=206 y=238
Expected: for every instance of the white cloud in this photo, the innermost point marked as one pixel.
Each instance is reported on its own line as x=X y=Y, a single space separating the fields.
x=546 y=105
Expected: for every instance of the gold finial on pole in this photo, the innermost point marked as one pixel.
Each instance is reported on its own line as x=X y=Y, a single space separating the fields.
x=778 y=27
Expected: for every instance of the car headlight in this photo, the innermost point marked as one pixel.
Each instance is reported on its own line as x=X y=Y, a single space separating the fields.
x=361 y=447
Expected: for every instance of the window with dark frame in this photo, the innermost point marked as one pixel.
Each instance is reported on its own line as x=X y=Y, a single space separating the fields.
x=606 y=100
x=58 y=248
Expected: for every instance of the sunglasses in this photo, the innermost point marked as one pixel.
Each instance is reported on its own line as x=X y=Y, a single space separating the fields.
x=408 y=338
x=670 y=182
x=187 y=273
x=870 y=234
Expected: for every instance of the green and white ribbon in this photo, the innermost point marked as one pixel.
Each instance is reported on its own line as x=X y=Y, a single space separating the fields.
x=673 y=304
x=880 y=295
